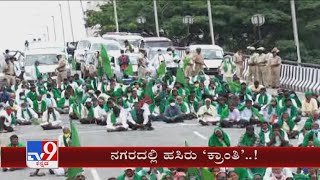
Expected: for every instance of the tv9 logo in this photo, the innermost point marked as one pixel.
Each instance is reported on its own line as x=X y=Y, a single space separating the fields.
x=42 y=154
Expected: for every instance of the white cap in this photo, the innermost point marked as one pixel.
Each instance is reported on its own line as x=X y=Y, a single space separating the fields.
x=260 y=49
x=251 y=48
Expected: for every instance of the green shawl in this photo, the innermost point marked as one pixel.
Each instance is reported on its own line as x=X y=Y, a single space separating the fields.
x=261 y=135
x=306 y=138
x=293 y=111
x=214 y=141
x=255 y=112
x=77 y=109
x=91 y=112
x=183 y=107
x=277 y=110
x=282 y=134
x=186 y=62
x=113 y=118
x=290 y=122
x=56 y=93
x=36 y=106
x=263 y=99
x=41 y=89
x=225 y=65
x=28 y=111
x=246 y=140
x=13 y=119
x=32 y=96
x=62 y=101
x=223 y=111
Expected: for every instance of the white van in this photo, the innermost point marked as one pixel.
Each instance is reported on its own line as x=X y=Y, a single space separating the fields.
x=212 y=56
x=92 y=45
x=159 y=42
x=48 y=62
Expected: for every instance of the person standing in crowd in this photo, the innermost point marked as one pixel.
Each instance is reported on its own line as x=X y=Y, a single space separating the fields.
x=123 y=62
x=170 y=63
x=227 y=68
x=199 y=62
x=9 y=72
x=17 y=68
x=61 y=70
x=275 y=67
x=262 y=70
x=188 y=63
x=238 y=60
x=252 y=63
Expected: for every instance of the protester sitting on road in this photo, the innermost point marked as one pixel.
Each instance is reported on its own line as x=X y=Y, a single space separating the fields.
x=248 y=114
x=116 y=120
x=64 y=103
x=249 y=138
x=309 y=105
x=39 y=106
x=172 y=113
x=140 y=116
x=51 y=119
x=87 y=113
x=5 y=120
x=288 y=125
x=219 y=138
x=14 y=142
x=262 y=99
x=232 y=119
x=25 y=114
x=100 y=113
x=278 y=137
x=207 y=114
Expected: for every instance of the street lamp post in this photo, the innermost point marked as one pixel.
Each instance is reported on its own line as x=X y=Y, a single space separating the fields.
x=258 y=20
x=115 y=15
x=48 y=37
x=64 y=38
x=70 y=21
x=188 y=20
x=54 y=28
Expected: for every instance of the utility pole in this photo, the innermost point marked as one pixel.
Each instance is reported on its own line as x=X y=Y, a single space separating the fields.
x=84 y=17
x=115 y=14
x=70 y=21
x=48 y=33
x=210 y=21
x=156 y=16
x=64 y=38
x=295 y=29
x=54 y=28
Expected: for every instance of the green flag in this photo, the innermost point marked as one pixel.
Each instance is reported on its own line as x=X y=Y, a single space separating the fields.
x=180 y=78
x=75 y=142
x=106 y=65
x=206 y=174
x=162 y=69
x=149 y=91
x=38 y=74
x=129 y=70
x=74 y=64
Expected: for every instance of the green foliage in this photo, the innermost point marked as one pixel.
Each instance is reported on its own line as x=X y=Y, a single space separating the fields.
x=231 y=20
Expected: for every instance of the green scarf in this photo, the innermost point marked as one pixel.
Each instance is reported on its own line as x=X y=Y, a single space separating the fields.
x=134 y=115
x=281 y=134
x=91 y=113
x=32 y=96
x=54 y=116
x=65 y=142
x=263 y=99
x=261 y=136
x=255 y=112
x=293 y=111
x=38 y=74
x=306 y=138
x=36 y=106
x=77 y=109
x=113 y=118
x=214 y=141
x=94 y=83
x=28 y=111
x=103 y=88
x=225 y=66
x=270 y=107
x=56 y=93
x=13 y=119
x=247 y=140
x=183 y=107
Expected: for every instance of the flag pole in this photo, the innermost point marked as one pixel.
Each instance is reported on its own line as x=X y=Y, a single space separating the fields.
x=70 y=21
x=115 y=14
x=156 y=17
x=210 y=21
x=295 y=29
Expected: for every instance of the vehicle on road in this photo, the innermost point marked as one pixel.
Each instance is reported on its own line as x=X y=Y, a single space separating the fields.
x=133 y=57
x=212 y=56
x=92 y=45
x=161 y=42
x=152 y=51
x=48 y=62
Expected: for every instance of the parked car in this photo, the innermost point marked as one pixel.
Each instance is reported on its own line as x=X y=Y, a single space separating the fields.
x=48 y=62
x=212 y=55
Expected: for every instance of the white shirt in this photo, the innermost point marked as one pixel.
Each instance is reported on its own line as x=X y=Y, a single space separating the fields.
x=4 y=114
x=26 y=115
x=169 y=61
x=49 y=117
x=286 y=171
x=246 y=114
x=99 y=112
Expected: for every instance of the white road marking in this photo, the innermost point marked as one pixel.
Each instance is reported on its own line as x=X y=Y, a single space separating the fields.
x=95 y=174
x=200 y=135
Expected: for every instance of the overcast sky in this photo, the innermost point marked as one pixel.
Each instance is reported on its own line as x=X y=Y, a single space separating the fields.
x=23 y=20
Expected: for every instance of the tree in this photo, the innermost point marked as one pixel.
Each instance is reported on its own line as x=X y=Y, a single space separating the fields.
x=231 y=20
